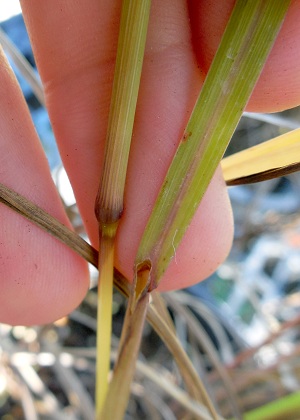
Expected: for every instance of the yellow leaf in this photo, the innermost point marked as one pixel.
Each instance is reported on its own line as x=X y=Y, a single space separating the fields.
x=271 y=159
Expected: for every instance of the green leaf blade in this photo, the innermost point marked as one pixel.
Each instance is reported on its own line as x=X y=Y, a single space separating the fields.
x=244 y=48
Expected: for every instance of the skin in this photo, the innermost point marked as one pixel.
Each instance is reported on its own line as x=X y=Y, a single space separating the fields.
x=74 y=46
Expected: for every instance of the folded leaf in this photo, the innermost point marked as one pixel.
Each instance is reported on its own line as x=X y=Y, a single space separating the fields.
x=271 y=159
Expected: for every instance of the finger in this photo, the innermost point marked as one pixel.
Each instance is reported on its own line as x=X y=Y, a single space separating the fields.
x=75 y=51
x=279 y=85
x=41 y=280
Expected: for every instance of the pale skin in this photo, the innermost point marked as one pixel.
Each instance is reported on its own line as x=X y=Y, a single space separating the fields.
x=74 y=43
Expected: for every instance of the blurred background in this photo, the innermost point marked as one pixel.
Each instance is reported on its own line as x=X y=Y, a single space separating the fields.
x=240 y=327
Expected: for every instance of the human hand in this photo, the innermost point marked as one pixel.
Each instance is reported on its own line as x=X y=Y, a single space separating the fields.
x=74 y=45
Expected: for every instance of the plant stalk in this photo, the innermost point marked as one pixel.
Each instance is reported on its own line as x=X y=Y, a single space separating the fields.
x=104 y=317
x=114 y=408
x=109 y=200
x=156 y=317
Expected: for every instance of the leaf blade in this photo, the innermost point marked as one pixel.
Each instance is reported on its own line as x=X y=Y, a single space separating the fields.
x=244 y=48
x=270 y=159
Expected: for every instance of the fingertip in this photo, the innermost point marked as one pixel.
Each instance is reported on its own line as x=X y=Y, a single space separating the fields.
x=278 y=87
x=41 y=279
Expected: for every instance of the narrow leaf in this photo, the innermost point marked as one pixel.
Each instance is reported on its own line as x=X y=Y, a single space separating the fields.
x=244 y=48
x=24 y=67
x=287 y=407
x=205 y=343
x=193 y=383
x=160 y=324
x=48 y=223
x=270 y=159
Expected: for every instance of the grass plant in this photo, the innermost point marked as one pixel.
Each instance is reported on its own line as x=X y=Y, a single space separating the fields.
x=244 y=48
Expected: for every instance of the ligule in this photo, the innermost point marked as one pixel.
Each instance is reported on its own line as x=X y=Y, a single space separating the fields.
x=141 y=285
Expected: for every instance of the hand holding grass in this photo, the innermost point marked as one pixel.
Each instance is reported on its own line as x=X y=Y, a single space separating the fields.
x=75 y=47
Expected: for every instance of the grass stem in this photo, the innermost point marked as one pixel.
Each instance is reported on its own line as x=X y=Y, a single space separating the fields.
x=109 y=200
x=104 y=318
